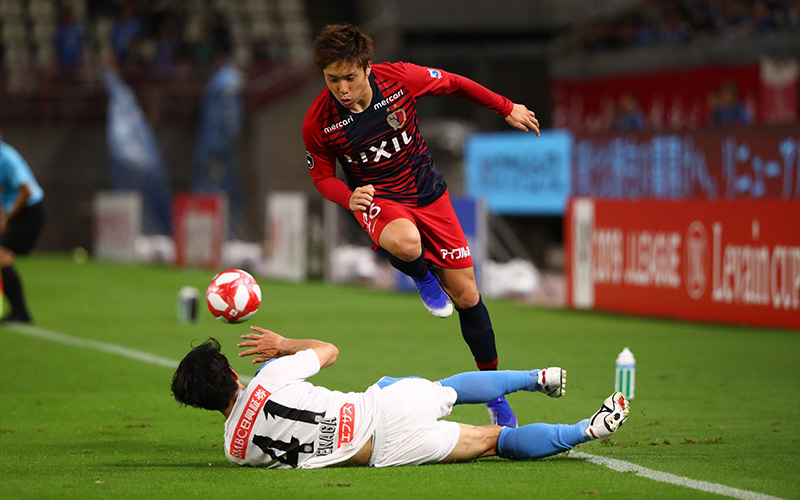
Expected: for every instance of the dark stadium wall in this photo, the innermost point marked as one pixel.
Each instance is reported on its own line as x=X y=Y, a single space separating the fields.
x=273 y=154
x=72 y=164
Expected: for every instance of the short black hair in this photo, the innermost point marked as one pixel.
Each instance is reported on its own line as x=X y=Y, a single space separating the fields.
x=343 y=43
x=204 y=379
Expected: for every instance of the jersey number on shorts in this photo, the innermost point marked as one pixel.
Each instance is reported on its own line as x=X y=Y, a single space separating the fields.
x=292 y=449
x=369 y=217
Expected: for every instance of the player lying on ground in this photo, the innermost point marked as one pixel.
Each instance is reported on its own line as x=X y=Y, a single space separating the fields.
x=279 y=420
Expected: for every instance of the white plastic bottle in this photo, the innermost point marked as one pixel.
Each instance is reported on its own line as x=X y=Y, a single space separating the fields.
x=625 y=378
x=187 y=304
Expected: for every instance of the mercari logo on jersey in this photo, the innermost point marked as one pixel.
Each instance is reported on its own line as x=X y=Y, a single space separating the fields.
x=336 y=126
x=397 y=95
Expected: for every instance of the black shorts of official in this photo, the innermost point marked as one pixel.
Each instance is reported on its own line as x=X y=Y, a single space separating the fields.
x=23 y=229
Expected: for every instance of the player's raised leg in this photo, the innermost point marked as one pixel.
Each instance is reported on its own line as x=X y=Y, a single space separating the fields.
x=401 y=239
x=482 y=387
x=476 y=328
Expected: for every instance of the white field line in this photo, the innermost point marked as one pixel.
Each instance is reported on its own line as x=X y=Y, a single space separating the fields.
x=665 y=477
x=611 y=463
x=96 y=345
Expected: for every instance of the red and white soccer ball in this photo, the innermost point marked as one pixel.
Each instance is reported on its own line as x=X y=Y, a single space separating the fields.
x=233 y=296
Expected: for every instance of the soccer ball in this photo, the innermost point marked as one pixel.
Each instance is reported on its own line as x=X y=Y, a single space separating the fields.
x=233 y=296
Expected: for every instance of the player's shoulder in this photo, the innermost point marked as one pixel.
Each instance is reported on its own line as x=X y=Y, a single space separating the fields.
x=10 y=157
x=397 y=69
x=322 y=100
x=6 y=149
x=407 y=72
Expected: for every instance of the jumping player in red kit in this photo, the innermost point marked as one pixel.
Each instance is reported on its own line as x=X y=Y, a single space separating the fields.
x=367 y=120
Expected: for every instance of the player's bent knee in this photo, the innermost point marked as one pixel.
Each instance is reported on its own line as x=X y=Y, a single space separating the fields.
x=464 y=298
x=402 y=240
x=408 y=250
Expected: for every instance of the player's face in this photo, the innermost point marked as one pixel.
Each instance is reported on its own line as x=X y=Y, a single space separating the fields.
x=349 y=84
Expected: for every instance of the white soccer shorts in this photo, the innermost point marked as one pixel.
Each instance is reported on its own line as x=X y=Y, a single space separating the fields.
x=409 y=431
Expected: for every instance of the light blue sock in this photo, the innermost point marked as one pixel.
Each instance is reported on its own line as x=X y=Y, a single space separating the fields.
x=540 y=440
x=480 y=387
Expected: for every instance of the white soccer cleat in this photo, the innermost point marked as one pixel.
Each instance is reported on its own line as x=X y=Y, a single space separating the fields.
x=609 y=417
x=553 y=381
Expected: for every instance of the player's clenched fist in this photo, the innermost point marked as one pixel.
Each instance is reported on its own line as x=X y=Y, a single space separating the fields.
x=361 y=198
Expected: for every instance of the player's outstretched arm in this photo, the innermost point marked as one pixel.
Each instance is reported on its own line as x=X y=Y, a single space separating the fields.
x=266 y=345
x=523 y=119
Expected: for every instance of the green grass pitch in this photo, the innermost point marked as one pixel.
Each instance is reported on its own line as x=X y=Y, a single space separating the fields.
x=713 y=403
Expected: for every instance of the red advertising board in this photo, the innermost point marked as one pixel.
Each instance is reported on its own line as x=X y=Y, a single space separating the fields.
x=199 y=229
x=720 y=261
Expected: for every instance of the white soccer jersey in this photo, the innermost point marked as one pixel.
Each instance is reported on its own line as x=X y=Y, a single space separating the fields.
x=281 y=421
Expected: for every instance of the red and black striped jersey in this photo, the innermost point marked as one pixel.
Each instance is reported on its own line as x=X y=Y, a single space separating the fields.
x=382 y=144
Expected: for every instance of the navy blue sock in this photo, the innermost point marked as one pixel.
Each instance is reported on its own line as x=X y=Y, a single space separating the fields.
x=539 y=440
x=481 y=387
x=417 y=268
x=476 y=328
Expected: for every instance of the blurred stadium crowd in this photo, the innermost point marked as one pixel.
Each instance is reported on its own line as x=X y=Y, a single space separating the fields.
x=156 y=38
x=673 y=22
x=52 y=52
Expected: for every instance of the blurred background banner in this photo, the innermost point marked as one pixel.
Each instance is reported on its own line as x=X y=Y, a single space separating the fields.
x=117 y=224
x=287 y=236
x=519 y=174
x=136 y=162
x=713 y=163
x=215 y=168
x=199 y=229
x=779 y=90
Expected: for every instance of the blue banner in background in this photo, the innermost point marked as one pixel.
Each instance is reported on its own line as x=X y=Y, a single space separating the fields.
x=215 y=168
x=136 y=162
x=520 y=174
